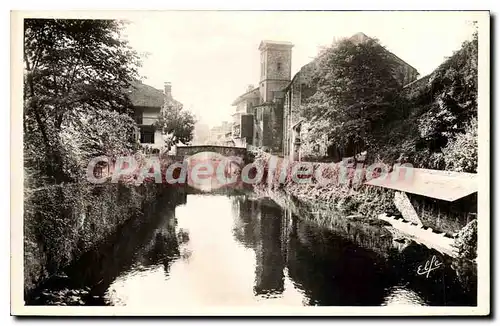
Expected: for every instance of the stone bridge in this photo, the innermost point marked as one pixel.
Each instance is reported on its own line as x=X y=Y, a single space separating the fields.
x=186 y=151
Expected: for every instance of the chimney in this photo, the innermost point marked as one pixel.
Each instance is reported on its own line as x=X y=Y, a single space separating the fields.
x=167 y=89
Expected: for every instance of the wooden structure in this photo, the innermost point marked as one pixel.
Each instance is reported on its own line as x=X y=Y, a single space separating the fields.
x=442 y=185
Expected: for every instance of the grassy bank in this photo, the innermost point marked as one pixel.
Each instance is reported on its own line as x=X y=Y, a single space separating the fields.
x=61 y=222
x=364 y=232
x=433 y=125
x=352 y=208
x=348 y=197
x=375 y=236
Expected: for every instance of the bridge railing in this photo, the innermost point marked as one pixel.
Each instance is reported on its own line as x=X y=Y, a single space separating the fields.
x=224 y=150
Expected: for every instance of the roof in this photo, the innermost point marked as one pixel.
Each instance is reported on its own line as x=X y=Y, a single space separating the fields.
x=144 y=95
x=266 y=43
x=305 y=69
x=422 y=80
x=245 y=96
x=356 y=38
x=298 y=123
x=443 y=185
x=361 y=37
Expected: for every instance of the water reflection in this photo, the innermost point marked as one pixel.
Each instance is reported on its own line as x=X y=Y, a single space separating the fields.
x=235 y=250
x=400 y=295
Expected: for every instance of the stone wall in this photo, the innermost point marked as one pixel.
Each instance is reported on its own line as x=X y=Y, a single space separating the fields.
x=299 y=90
x=185 y=151
x=279 y=64
x=269 y=127
x=276 y=63
x=416 y=86
x=273 y=89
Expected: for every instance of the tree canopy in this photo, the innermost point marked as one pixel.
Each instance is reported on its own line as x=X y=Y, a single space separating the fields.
x=177 y=124
x=356 y=88
x=73 y=69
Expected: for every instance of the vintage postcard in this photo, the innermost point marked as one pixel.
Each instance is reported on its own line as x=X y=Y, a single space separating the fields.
x=235 y=163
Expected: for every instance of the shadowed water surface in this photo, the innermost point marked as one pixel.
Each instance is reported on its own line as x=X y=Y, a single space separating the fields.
x=217 y=250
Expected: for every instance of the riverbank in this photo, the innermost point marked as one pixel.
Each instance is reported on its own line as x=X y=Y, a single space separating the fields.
x=367 y=233
x=249 y=250
x=337 y=205
x=62 y=222
x=388 y=247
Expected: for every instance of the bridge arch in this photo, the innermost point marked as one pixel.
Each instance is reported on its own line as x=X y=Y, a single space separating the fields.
x=228 y=151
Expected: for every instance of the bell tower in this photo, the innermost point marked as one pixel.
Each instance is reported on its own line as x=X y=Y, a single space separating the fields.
x=275 y=68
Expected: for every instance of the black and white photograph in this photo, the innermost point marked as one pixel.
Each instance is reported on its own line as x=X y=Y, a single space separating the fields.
x=231 y=163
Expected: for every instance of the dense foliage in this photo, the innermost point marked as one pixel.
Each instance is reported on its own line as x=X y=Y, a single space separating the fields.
x=461 y=152
x=99 y=133
x=75 y=108
x=467 y=240
x=64 y=221
x=440 y=129
x=356 y=89
x=431 y=123
x=75 y=71
x=176 y=124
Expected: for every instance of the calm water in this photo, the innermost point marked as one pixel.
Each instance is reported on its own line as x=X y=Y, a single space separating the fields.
x=239 y=251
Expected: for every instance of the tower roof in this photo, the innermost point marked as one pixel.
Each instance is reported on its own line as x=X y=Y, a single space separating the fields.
x=274 y=44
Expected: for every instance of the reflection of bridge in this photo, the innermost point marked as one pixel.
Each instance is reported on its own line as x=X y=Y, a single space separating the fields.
x=208 y=167
x=228 y=151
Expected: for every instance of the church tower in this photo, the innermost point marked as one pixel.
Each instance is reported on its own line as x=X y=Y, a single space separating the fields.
x=275 y=68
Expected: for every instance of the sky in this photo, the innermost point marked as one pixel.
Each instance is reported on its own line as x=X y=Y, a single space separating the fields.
x=210 y=57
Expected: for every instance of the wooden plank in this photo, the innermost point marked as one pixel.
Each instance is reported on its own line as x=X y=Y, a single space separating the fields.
x=407 y=210
x=427 y=237
x=443 y=185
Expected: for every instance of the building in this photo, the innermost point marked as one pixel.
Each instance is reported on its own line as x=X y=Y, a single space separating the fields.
x=201 y=133
x=244 y=106
x=295 y=127
x=268 y=116
x=258 y=118
x=221 y=135
x=148 y=103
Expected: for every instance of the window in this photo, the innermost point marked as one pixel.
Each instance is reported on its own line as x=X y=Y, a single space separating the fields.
x=278 y=66
x=147 y=137
x=138 y=117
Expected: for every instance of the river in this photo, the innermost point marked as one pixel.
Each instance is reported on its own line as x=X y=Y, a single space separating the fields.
x=241 y=250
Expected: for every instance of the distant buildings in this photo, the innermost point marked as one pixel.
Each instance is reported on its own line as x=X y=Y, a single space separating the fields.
x=201 y=134
x=148 y=103
x=221 y=135
x=268 y=116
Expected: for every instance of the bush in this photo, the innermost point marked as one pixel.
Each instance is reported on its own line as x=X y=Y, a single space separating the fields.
x=461 y=153
x=466 y=241
x=61 y=222
x=440 y=130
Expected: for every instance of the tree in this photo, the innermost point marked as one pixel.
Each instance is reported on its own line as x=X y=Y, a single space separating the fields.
x=176 y=124
x=72 y=68
x=99 y=133
x=461 y=152
x=356 y=89
x=450 y=97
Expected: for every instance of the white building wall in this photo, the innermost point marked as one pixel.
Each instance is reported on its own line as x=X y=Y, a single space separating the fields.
x=150 y=116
